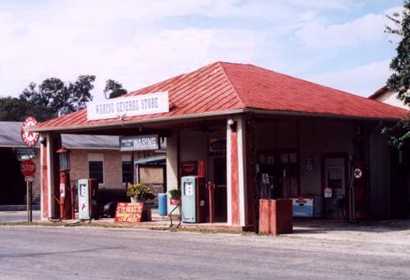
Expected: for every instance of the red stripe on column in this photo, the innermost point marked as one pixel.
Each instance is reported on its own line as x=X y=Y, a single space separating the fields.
x=234 y=179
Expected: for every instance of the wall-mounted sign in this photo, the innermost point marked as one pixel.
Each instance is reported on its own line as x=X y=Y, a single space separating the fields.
x=145 y=104
x=328 y=192
x=139 y=143
x=189 y=168
x=217 y=146
x=25 y=153
x=357 y=173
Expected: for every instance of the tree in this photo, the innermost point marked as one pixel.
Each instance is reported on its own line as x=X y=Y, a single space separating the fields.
x=12 y=109
x=399 y=81
x=113 y=89
x=57 y=98
x=79 y=93
x=15 y=109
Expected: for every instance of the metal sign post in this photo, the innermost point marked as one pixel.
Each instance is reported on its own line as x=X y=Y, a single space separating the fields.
x=28 y=168
x=29 y=186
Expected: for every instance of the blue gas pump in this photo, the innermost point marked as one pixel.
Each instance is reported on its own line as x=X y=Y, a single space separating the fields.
x=193 y=199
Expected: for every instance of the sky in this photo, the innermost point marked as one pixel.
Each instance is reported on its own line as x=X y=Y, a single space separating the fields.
x=338 y=43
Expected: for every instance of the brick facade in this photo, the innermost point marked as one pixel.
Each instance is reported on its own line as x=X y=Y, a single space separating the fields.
x=112 y=166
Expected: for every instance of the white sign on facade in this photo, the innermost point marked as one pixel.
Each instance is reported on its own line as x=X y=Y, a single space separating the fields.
x=152 y=103
x=139 y=143
x=83 y=199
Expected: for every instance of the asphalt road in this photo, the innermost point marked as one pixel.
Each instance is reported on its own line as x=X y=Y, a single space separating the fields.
x=95 y=253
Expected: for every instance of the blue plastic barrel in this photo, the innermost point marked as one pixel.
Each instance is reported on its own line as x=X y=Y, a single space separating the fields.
x=162 y=204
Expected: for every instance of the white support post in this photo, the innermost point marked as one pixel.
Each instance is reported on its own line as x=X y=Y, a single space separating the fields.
x=228 y=175
x=242 y=170
x=172 y=166
x=238 y=124
x=50 y=176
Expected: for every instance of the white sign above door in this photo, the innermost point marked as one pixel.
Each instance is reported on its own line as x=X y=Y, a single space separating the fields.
x=152 y=103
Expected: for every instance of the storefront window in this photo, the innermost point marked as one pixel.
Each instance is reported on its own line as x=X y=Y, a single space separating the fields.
x=278 y=174
x=127 y=172
x=96 y=171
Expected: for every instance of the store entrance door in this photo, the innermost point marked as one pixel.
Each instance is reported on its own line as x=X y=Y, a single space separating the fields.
x=219 y=171
x=335 y=186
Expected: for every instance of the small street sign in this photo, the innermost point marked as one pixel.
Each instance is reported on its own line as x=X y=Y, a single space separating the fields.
x=29 y=137
x=28 y=168
x=29 y=179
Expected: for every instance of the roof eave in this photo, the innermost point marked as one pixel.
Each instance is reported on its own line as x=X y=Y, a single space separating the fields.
x=324 y=115
x=144 y=122
x=212 y=115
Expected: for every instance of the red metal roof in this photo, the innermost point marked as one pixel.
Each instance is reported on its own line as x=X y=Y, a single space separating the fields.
x=224 y=88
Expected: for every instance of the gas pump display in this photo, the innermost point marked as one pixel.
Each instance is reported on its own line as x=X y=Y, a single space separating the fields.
x=87 y=189
x=193 y=199
x=83 y=200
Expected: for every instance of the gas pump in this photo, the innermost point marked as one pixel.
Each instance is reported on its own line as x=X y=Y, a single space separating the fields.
x=194 y=193
x=65 y=198
x=87 y=199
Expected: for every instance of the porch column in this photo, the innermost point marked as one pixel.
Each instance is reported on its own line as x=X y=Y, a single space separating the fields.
x=44 y=195
x=49 y=143
x=236 y=171
x=172 y=166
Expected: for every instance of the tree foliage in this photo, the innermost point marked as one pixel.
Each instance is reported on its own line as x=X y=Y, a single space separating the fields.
x=399 y=81
x=59 y=98
x=113 y=89
x=49 y=99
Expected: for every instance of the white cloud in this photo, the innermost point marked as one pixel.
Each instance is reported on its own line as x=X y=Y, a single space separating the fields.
x=113 y=41
x=362 y=80
x=366 y=29
x=125 y=40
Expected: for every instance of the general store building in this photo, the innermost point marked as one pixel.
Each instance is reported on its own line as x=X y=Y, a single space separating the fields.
x=261 y=134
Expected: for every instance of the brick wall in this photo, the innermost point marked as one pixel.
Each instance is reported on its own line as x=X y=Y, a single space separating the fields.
x=112 y=170
x=112 y=166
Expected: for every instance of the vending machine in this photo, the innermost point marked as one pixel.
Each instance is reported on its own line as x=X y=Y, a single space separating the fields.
x=194 y=200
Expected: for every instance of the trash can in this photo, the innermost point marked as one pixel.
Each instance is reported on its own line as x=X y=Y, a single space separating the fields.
x=162 y=204
x=275 y=216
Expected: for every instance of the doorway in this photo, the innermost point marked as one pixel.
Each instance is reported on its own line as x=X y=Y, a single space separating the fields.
x=12 y=186
x=219 y=179
x=334 y=178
